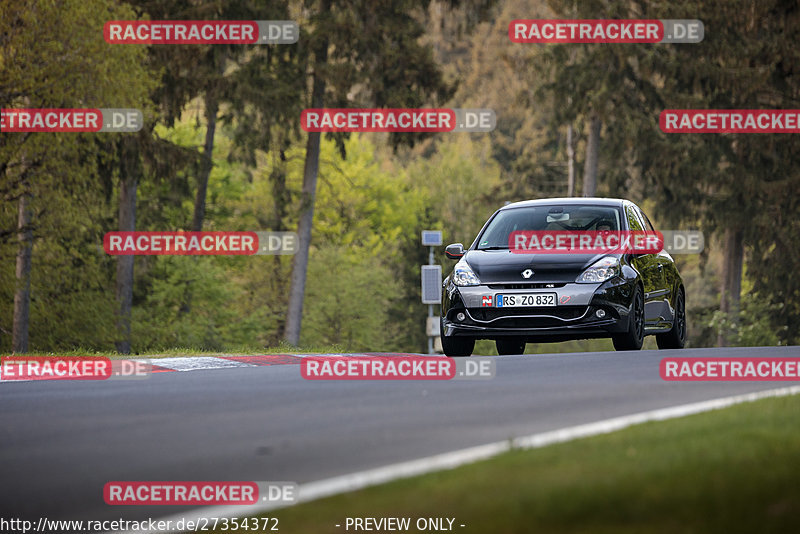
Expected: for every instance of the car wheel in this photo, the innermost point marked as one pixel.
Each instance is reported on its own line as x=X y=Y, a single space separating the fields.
x=456 y=346
x=676 y=337
x=634 y=337
x=510 y=345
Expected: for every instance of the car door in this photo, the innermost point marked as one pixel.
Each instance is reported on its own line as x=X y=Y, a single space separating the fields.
x=650 y=271
x=664 y=293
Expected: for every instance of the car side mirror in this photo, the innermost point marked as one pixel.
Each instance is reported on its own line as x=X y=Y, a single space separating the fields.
x=454 y=251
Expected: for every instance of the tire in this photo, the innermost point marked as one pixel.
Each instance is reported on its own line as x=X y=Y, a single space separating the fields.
x=456 y=346
x=634 y=337
x=676 y=337
x=510 y=345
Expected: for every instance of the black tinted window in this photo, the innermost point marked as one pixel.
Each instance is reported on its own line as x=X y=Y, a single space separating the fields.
x=553 y=218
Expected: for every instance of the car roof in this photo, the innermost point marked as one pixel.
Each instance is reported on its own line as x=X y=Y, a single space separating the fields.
x=574 y=201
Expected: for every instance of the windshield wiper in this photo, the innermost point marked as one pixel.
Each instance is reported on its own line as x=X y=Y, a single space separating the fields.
x=494 y=248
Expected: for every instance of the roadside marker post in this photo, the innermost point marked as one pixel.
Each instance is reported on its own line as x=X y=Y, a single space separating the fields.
x=431 y=285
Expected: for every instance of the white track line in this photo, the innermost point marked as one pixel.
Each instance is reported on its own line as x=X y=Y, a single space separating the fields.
x=342 y=484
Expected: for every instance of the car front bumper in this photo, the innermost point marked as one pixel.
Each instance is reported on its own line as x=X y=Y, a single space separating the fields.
x=575 y=316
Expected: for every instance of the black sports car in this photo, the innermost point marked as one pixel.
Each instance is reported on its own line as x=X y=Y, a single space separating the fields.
x=515 y=298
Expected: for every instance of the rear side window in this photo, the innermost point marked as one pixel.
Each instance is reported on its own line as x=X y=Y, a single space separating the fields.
x=647 y=224
x=633 y=220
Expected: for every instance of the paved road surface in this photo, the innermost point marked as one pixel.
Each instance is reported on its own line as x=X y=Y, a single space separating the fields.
x=60 y=442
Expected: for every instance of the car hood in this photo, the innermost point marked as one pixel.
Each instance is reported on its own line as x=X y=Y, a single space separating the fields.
x=504 y=266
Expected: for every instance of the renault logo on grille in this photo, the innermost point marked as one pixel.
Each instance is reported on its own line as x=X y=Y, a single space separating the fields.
x=527 y=273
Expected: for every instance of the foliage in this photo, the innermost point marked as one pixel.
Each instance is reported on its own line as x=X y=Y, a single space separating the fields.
x=52 y=55
x=372 y=204
x=753 y=327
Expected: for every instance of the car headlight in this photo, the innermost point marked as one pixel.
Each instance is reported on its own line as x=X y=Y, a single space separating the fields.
x=463 y=275
x=602 y=270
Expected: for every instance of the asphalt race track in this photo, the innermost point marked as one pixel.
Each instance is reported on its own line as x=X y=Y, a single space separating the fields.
x=60 y=441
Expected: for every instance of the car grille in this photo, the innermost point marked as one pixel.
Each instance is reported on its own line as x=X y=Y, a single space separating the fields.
x=556 y=314
x=529 y=285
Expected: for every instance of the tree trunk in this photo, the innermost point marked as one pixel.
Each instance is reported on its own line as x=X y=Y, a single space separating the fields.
x=129 y=181
x=22 y=296
x=207 y=164
x=590 y=166
x=294 y=315
x=570 y=162
x=733 y=259
x=280 y=193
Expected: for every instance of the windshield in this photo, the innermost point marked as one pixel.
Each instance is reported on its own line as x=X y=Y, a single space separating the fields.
x=542 y=218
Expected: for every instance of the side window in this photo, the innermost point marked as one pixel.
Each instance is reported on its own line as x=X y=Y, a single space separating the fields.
x=647 y=224
x=633 y=221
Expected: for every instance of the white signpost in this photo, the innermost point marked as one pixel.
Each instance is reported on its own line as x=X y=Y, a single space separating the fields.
x=431 y=284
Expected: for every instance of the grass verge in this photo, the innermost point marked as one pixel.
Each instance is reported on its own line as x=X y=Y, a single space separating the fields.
x=727 y=471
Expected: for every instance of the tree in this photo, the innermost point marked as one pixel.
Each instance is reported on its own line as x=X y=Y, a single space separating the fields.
x=362 y=55
x=50 y=60
x=725 y=183
x=212 y=72
x=736 y=180
x=592 y=149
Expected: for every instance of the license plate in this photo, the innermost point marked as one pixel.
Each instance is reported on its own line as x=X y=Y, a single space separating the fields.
x=524 y=300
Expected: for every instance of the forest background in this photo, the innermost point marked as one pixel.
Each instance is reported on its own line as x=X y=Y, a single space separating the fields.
x=222 y=150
